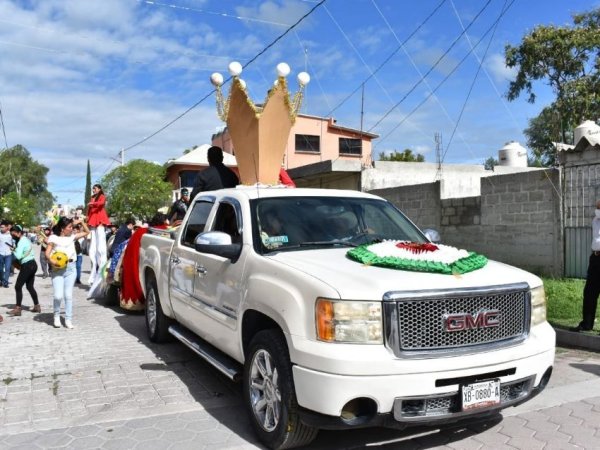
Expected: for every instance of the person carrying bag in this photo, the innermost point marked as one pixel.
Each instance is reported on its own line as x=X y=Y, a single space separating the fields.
x=24 y=258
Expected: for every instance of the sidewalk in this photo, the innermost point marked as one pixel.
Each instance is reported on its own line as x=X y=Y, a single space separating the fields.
x=103 y=369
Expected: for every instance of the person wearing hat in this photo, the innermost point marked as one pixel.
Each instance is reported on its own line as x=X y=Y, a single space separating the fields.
x=179 y=207
x=63 y=275
x=25 y=255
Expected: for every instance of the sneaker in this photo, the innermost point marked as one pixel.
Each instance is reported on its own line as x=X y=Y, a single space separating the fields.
x=56 y=321
x=68 y=324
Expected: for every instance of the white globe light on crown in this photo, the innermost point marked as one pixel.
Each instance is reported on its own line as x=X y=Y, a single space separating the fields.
x=283 y=70
x=303 y=78
x=216 y=79
x=235 y=69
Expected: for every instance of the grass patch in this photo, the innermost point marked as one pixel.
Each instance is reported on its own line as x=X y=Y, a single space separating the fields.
x=564 y=301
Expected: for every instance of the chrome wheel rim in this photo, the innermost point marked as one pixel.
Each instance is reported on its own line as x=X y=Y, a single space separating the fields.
x=151 y=310
x=265 y=395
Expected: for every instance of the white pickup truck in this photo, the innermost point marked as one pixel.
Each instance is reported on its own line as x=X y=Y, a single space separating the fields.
x=258 y=282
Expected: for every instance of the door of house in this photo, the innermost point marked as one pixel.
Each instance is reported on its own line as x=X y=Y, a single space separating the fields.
x=577 y=251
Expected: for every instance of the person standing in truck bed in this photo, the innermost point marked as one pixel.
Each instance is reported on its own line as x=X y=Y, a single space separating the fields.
x=217 y=176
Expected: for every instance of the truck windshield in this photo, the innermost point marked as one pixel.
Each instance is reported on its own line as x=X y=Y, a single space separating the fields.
x=300 y=223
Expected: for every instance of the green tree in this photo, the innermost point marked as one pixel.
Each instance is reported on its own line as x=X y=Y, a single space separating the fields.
x=26 y=178
x=87 y=195
x=136 y=189
x=490 y=163
x=407 y=156
x=567 y=58
x=19 y=210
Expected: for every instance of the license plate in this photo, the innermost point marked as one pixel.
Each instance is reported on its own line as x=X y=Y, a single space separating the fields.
x=480 y=395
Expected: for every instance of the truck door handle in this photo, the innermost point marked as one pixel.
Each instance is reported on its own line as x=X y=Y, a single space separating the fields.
x=201 y=269
x=175 y=260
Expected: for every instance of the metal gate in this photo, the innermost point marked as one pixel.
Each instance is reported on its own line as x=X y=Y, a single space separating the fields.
x=577 y=251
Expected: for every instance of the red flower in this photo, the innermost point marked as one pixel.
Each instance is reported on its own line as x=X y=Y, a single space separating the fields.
x=416 y=247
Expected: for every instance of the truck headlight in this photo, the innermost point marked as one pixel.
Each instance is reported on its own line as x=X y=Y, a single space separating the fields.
x=349 y=321
x=538 y=305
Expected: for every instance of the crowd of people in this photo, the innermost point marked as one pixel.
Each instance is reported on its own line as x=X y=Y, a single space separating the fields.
x=113 y=250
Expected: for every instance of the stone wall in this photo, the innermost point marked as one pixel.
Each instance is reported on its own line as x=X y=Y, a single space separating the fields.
x=516 y=220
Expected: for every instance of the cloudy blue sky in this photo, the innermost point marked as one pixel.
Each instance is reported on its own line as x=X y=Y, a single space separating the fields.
x=81 y=79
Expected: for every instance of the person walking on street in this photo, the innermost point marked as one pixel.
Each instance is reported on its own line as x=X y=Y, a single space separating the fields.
x=179 y=207
x=79 y=252
x=6 y=244
x=25 y=255
x=97 y=220
x=592 y=282
x=43 y=241
x=216 y=176
x=63 y=278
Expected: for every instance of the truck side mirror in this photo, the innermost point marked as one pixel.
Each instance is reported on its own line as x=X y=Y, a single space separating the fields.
x=217 y=243
x=432 y=235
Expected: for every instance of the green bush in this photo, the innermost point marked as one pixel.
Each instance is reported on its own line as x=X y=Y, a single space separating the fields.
x=564 y=301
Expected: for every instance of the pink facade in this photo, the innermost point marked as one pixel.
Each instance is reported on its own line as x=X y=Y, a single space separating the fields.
x=315 y=139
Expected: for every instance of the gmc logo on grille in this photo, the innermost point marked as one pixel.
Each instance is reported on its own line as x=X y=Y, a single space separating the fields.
x=466 y=321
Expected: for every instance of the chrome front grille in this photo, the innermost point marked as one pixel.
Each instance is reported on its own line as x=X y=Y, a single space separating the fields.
x=418 y=320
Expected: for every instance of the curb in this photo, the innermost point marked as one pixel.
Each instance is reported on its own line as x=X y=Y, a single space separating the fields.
x=582 y=340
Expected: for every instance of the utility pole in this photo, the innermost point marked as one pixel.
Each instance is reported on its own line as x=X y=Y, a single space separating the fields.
x=438 y=155
x=122 y=157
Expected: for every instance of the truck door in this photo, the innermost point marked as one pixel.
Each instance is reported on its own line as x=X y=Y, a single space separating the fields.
x=217 y=289
x=183 y=260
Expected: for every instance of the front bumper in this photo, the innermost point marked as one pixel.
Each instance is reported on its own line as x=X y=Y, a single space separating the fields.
x=432 y=386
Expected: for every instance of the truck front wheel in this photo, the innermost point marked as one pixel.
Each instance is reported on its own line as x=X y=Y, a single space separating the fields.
x=269 y=393
x=157 y=324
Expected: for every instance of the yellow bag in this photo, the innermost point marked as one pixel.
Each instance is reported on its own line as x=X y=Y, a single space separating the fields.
x=59 y=260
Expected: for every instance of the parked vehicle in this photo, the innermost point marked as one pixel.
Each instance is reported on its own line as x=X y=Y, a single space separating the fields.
x=258 y=282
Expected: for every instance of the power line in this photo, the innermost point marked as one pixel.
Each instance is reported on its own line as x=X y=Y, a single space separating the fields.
x=277 y=39
x=388 y=58
x=445 y=78
x=214 y=13
x=410 y=91
x=3 y=129
x=462 y=110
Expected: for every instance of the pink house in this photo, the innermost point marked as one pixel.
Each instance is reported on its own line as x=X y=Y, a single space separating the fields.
x=316 y=139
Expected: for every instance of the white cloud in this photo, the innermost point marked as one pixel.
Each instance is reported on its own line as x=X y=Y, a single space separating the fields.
x=498 y=70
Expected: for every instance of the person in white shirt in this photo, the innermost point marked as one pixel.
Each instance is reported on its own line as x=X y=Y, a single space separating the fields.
x=592 y=283
x=6 y=246
x=63 y=279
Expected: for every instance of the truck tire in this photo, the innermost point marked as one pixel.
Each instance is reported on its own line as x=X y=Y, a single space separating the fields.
x=157 y=324
x=270 y=396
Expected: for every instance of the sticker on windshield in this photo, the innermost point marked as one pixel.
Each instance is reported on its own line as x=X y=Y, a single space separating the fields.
x=276 y=240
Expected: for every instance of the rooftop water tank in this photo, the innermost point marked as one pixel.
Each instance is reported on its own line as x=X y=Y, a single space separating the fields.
x=589 y=130
x=512 y=154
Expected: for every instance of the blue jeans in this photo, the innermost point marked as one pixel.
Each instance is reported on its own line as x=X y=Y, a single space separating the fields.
x=78 y=266
x=5 y=262
x=63 y=281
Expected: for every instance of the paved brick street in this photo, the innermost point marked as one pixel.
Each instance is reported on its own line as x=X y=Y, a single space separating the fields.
x=104 y=385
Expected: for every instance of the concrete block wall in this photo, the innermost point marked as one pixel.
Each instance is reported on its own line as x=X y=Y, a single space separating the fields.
x=516 y=220
x=420 y=202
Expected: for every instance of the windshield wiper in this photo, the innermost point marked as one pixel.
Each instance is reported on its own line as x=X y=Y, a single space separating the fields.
x=328 y=243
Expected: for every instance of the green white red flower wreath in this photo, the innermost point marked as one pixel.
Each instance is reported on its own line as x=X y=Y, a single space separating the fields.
x=421 y=257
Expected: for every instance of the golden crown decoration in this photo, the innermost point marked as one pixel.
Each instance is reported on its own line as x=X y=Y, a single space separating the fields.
x=259 y=133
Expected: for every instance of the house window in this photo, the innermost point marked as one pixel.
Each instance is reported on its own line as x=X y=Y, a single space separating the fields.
x=308 y=143
x=350 y=146
x=187 y=178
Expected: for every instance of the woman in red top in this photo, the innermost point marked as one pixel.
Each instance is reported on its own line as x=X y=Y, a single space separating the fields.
x=97 y=219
